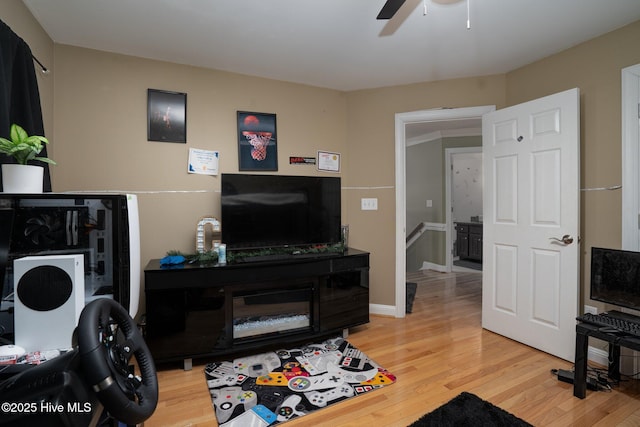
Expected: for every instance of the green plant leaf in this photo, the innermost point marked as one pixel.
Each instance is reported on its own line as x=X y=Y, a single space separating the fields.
x=36 y=141
x=23 y=147
x=46 y=160
x=5 y=145
x=17 y=133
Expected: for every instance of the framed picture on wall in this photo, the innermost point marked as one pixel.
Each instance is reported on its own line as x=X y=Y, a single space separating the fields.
x=257 y=142
x=328 y=162
x=166 y=116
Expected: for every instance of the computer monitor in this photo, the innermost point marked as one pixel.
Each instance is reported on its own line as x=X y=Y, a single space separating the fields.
x=615 y=277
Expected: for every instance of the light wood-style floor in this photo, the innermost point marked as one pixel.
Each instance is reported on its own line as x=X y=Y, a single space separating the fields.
x=436 y=352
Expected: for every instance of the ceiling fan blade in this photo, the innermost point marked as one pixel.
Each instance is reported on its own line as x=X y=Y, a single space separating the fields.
x=389 y=9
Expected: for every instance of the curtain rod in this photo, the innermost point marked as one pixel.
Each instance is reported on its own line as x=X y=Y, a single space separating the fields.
x=42 y=67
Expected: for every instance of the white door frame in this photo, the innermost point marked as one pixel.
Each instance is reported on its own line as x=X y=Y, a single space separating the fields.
x=630 y=176
x=630 y=158
x=401 y=120
x=448 y=199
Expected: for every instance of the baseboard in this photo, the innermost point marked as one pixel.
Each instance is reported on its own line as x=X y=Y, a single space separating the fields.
x=435 y=267
x=599 y=356
x=382 y=310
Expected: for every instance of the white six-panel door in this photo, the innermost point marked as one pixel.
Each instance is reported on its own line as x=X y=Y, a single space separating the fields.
x=531 y=222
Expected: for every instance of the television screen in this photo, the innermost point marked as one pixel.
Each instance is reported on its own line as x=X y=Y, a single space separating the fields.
x=267 y=211
x=615 y=277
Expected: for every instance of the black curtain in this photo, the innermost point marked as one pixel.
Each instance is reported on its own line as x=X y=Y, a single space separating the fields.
x=19 y=95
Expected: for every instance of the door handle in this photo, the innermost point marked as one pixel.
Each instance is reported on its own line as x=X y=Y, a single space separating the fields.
x=566 y=239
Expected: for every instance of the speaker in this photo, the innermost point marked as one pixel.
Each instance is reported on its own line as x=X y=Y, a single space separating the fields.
x=49 y=296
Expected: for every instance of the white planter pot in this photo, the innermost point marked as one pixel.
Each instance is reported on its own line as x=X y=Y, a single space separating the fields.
x=22 y=178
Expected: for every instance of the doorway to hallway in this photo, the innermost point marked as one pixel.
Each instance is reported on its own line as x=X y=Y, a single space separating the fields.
x=464 y=202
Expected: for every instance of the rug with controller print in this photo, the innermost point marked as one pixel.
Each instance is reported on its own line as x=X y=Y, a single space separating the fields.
x=274 y=387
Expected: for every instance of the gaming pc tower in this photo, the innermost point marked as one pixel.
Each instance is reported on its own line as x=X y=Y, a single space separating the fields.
x=43 y=230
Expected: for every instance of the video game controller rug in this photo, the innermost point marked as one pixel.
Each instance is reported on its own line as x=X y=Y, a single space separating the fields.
x=274 y=387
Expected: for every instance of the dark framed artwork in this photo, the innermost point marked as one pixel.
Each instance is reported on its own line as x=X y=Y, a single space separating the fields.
x=166 y=116
x=257 y=142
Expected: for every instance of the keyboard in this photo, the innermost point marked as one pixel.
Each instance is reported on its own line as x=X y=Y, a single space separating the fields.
x=618 y=321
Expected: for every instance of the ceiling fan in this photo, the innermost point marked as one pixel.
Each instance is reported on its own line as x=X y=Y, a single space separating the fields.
x=390 y=8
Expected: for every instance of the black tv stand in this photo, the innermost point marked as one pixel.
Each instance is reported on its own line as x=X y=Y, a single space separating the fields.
x=196 y=311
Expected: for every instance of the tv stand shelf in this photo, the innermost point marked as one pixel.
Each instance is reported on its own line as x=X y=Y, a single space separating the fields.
x=196 y=311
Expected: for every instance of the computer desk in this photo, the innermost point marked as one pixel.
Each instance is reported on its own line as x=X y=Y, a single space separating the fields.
x=615 y=340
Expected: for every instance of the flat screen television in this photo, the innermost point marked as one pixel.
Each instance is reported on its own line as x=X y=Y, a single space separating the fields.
x=615 y=277
x=274 y=211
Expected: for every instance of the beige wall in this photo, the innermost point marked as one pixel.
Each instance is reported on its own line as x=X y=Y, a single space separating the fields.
x=424 y=181
x=99 y=133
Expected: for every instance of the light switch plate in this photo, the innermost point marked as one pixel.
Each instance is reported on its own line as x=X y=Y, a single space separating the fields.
x=590 y=309
x=369 y=204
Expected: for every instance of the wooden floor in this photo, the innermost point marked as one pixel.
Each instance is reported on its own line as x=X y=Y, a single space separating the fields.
x=436 y=352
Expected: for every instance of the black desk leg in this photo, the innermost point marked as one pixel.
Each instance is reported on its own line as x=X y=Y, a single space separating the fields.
x=580 y=376
x=614 y=361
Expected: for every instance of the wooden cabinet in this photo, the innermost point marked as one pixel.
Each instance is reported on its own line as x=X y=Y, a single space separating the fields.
x=469 y=240
x=195 y=311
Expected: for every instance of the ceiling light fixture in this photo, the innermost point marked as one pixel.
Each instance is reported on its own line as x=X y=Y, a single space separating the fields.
x=424 y=12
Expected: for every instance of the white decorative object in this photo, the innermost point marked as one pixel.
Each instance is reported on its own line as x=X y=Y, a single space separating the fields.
x=22 y=178
x=200 y=233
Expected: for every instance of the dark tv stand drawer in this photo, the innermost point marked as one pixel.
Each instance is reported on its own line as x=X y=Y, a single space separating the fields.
x=194 y=311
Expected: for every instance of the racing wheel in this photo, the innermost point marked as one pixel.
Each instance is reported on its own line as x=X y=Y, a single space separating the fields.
x=108 y=339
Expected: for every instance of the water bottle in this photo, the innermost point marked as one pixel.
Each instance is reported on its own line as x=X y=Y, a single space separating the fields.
x=222 y=254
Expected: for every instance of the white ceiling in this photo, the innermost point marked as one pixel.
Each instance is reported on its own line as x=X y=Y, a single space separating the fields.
x=335 y=44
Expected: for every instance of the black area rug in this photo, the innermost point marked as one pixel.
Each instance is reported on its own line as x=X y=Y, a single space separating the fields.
x=469 y=410
x=411 y=295
x=274 y=387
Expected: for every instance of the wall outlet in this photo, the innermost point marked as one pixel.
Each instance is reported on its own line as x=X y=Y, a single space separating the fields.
x=429 y=203
x=590 y=309
x=369 y=204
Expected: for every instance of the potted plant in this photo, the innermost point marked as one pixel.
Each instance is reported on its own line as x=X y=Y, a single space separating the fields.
x=23 y=177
